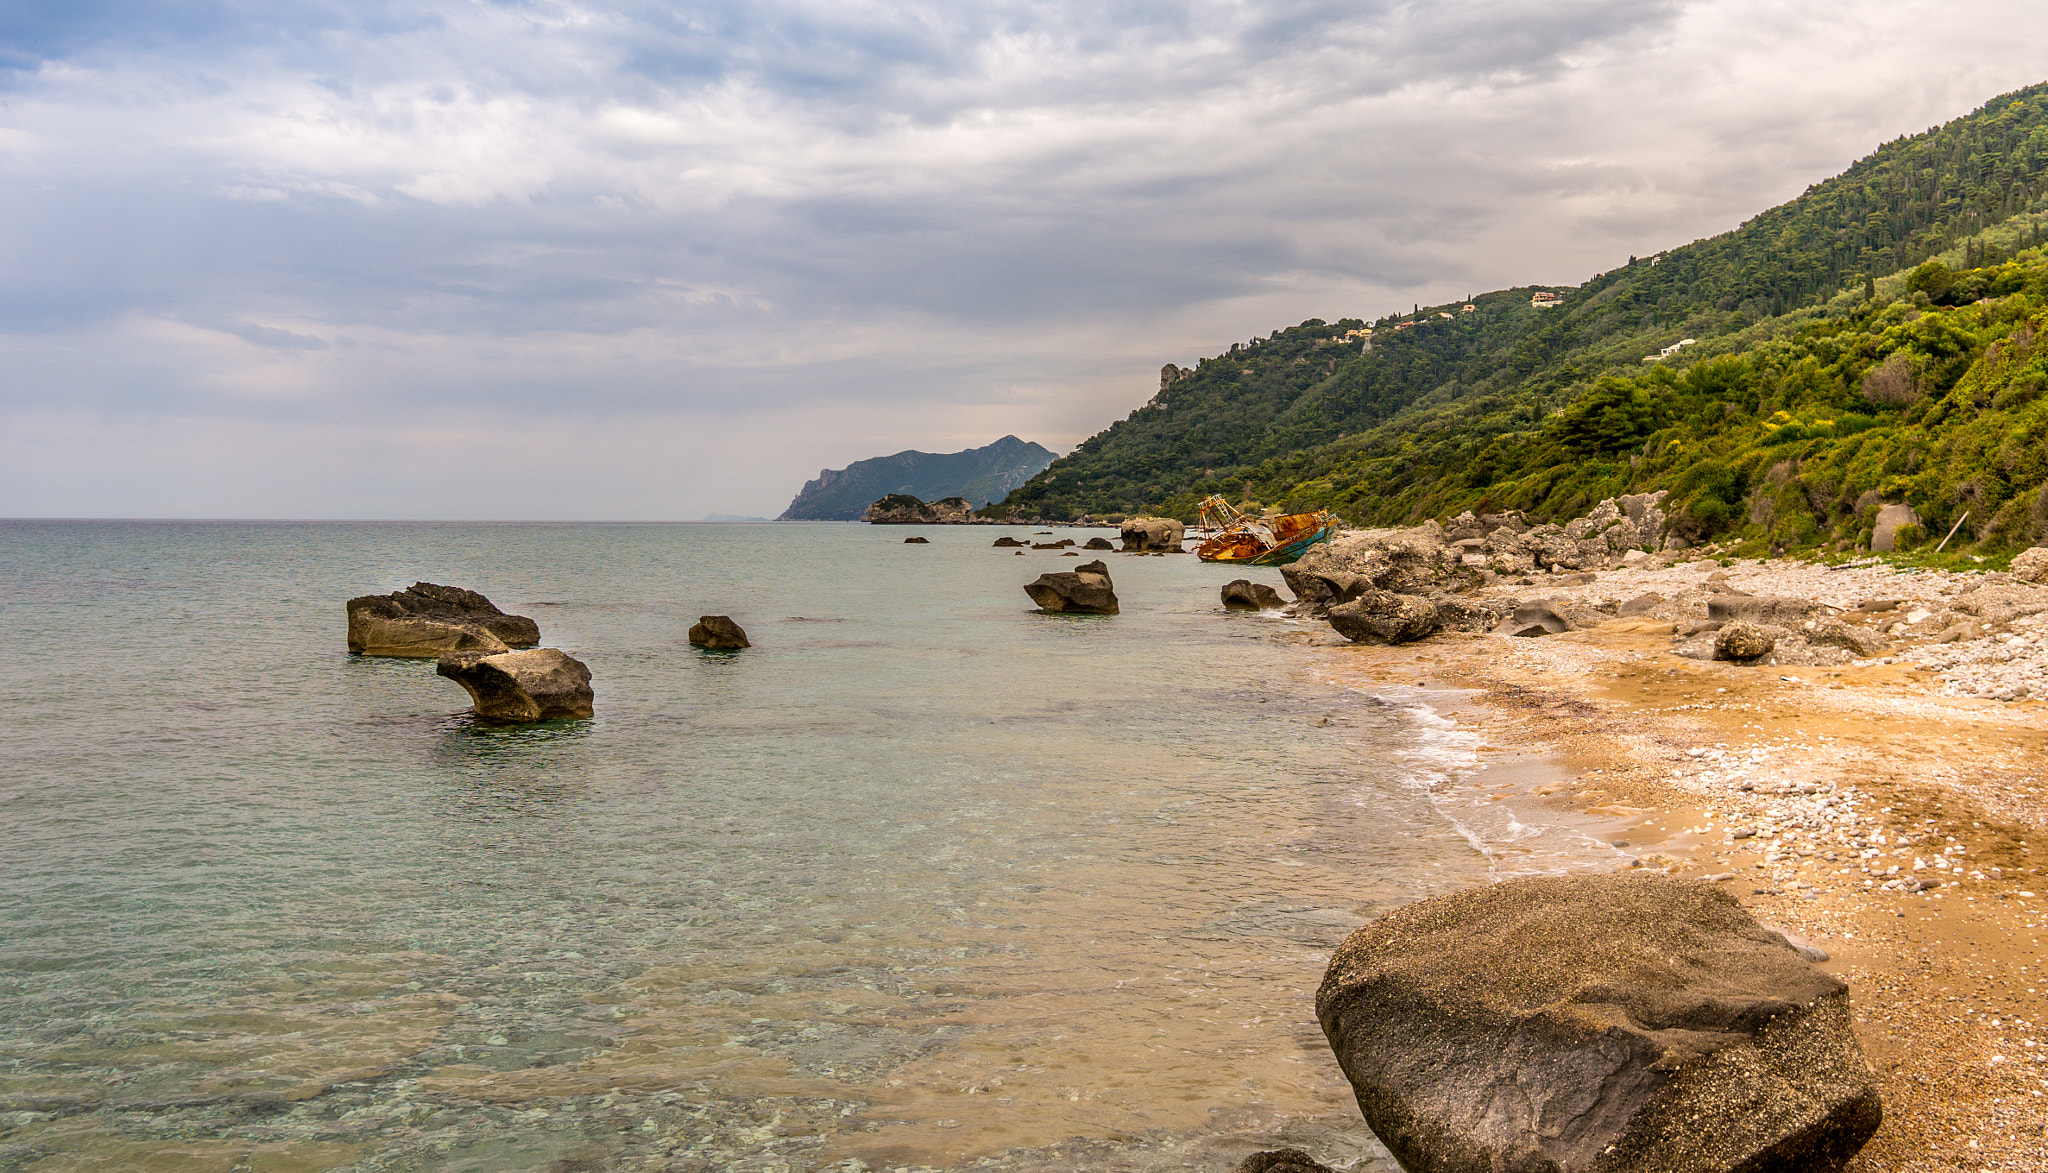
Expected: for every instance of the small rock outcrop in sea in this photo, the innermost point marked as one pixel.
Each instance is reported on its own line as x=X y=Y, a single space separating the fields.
x=1281 y=1161
x=1099 y=543
x=539 y=684
x=425 y=620
x=1245 y=595
x=1595 y=1023
x=1085 y=589
x=717 y=633
x=917 y=541
x=1006 y=540
x=1744 y=642
x=1891 y=519
x=1153 y=535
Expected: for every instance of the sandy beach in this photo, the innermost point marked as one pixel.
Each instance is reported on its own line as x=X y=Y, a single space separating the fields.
x=1873 y=809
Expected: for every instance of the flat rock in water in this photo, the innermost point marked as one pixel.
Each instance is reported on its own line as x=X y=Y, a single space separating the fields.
x=1099 y=543
x=718 y=633
x=1595 y=1024
x=917 y=541
x=1085 y=589
x=1008 y=541
x=426 y=620
x=1245 y=595
x=536 y=685
x=1149 y=535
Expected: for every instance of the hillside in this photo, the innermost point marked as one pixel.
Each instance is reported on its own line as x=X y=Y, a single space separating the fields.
x=979 y=474
x=1437 y=413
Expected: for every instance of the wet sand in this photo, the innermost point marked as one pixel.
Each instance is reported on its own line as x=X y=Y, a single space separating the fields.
x=1800 y=787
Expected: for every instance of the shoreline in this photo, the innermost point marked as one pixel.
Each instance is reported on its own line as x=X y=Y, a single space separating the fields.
x=1807 y=789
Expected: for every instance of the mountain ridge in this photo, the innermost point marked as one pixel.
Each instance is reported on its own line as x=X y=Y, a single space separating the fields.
x=980 y=475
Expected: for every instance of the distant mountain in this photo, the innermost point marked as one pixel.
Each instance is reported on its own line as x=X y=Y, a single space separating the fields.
x=979 y=474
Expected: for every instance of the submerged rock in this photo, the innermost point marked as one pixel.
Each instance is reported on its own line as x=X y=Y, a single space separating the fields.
x=536 y=685
x=917 y=541
x=1281 y=1161
x=717 y=633
x=426 y=620
x=1595 y=1023
x=1085 y=589
x=1150 y=535
x=1245 y=595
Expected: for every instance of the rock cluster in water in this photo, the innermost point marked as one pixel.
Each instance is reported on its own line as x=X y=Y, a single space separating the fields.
x=1245 y=595
x=1084 y=590
x=473 y=642
x=904 y=509
x=1595 y=1023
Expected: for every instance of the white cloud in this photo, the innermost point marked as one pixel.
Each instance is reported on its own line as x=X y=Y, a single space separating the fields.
x=954 y=220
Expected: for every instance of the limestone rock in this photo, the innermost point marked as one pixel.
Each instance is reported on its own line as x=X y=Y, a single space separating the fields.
x=1595 y=1024
x=425 y=620
x=1245 y=595
x=1783 y=610
x=1742 y=641
x=1147 y=535
x=953 y=510
x=1281 y=1161
x=1890 y=520
x=717 y=633
x=1008 y=541
x=1098 y=543
x=1537 y=617
x=1383 y=617
x=535 y=685
x=1085 y=589
x=1847 y=636
x=1461 y=613
x=1411 y=562
x=2031 y=565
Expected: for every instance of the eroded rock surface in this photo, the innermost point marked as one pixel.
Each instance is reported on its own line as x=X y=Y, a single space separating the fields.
x=1595 y=1024
x=536 y=685
x=1245 y=595
x=426 y=620
x=1153 y=535
x=1281 y=1161
x=1384 y=617
x=1085 y=589
x=2031 y=565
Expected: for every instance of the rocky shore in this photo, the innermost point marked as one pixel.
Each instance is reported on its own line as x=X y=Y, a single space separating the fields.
x=1869 y=783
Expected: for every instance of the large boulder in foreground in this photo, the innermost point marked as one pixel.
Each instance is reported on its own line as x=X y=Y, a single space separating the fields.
x=1084 y=590
x=536 y=685
x=1383 y=617
x=2031 y=565
x=1573 y=1024
x=1884 y=536
x=425 y=620
x=1153 y=535
x=718 y=633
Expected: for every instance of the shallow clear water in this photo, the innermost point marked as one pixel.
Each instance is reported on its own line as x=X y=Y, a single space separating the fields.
x=924 y=879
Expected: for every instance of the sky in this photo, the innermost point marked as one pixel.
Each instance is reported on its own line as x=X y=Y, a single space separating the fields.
x=651 y=261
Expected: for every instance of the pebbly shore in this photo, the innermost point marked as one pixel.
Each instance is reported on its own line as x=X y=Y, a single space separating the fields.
x=1883 y=809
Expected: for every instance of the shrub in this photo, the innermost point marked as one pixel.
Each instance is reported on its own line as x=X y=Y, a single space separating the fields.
x=1895 y=382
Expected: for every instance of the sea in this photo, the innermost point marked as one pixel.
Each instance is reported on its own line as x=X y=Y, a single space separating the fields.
x=926 y=879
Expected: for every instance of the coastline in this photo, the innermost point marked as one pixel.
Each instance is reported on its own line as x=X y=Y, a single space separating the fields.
x=1606 y=738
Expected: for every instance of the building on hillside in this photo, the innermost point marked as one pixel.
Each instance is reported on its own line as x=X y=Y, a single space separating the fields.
x=1543 y=299
x=1670 y=350
x=1470 y=309
x=1444 y=316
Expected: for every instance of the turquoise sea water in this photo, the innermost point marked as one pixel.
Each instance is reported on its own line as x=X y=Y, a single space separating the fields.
x=925 y=879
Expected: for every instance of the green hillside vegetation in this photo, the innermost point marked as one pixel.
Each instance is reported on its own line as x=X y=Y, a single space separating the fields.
x=1833 y=368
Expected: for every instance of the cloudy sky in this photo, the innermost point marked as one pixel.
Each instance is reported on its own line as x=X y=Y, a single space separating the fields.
x=626 y=259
